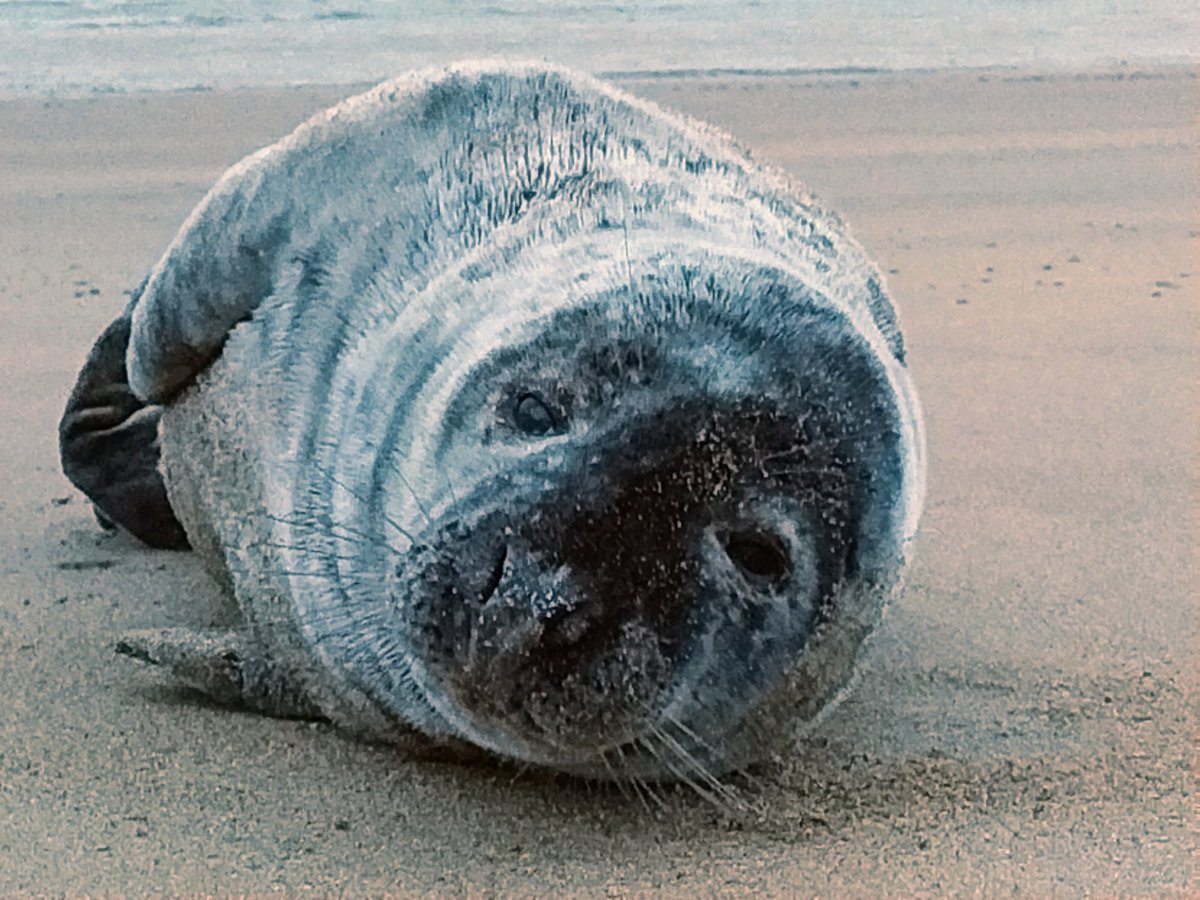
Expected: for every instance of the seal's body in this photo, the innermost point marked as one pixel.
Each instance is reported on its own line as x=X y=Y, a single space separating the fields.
x=515 y=411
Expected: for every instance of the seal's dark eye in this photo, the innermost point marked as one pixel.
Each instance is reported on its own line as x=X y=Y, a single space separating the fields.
x=533 y=416
x=760 y=555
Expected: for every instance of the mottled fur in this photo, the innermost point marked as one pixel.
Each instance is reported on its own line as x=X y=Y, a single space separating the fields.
x=340 y=335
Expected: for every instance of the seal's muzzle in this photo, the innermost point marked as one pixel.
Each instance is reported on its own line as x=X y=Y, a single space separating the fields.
x=666 y=531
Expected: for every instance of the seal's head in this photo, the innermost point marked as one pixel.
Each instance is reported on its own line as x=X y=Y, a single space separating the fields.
x=650 y=526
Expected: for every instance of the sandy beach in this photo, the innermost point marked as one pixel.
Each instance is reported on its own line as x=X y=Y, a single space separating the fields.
x=1025 y=720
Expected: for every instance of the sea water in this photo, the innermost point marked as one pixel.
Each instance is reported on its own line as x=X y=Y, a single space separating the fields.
x=71 y=47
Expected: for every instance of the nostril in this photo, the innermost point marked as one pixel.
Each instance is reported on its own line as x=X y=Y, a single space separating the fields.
x=497 y=574
x=761 y=556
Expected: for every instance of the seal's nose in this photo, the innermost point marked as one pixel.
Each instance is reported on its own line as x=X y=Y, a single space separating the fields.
x=629 y=553
x=645 y=567
x=633 y=539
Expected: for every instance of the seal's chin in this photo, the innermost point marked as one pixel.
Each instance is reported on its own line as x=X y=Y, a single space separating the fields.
x=589 y=628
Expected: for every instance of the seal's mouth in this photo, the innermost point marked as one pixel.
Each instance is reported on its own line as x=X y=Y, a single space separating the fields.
x=573 y=622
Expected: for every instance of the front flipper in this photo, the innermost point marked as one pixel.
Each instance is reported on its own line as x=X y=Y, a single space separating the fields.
x=228 y=667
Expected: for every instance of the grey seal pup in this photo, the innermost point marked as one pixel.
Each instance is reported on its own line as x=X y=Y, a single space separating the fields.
x=517 y=412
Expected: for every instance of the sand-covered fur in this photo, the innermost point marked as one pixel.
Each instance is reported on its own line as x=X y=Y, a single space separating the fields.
x=517 y=411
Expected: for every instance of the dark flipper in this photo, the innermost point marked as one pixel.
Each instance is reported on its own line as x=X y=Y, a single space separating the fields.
x=108 y=442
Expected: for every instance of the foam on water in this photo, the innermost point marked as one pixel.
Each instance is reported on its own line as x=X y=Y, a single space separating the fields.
x=72 y=47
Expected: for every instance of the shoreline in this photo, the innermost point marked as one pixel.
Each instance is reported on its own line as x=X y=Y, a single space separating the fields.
x=1149 y=69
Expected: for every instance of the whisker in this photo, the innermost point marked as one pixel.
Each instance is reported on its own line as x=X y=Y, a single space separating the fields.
x=360 y=617
x=649 y=789
x=325 y=554
x=680 y=773
x=366 y=503
x=689 y=759
x=613 y=774
x=331 y=528
x=453 y=494
x=628 y=257
x=416 y=497
x=522 y=769
x=633 y=780
x=675 y=722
